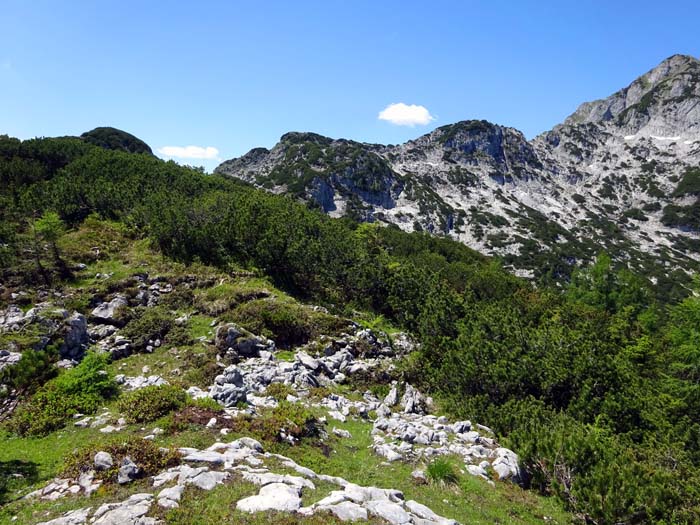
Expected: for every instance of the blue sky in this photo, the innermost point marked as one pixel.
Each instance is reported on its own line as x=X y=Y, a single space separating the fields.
x=235 y=75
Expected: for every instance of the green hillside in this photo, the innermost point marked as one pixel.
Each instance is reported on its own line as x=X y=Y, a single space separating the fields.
x=594 y=384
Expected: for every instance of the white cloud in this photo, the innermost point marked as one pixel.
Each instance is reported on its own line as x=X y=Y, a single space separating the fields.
x=406 y=115
x=190 y=152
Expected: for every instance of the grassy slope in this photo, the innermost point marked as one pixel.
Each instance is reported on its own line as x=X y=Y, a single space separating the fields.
x=470 y=501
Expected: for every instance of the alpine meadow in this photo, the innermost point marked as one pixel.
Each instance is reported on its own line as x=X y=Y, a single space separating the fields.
x=468 y=327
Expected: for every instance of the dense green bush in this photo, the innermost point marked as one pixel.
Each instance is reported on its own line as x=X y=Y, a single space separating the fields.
x=79 y=390
x=288 y=324
x=148 y=404
x=112 y=138
x=33 y=370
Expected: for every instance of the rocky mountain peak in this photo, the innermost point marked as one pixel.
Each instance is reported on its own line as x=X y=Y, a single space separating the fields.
x=665 y=101
x=298 y=137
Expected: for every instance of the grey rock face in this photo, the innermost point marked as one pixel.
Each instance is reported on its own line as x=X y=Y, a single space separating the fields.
x=74 y=517
x=347 y=511
x=12 y=318
x=8 y=358
x=275 y=496
x=103 y=461
x=391 y=512
x=106 y=312
x=76 y=339
x=135 y=383
x=128 y=472
x=129 y=512
x=237 y=343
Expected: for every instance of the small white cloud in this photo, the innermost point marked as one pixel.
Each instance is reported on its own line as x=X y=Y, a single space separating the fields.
x=406 y=115
x=189 y=152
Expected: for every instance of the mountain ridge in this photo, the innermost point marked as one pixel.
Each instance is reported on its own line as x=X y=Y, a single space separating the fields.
x=605 y=179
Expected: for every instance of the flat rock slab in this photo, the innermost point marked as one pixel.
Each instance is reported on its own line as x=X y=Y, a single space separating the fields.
x=74 y=517
x=347 y=511
x=391 y=512
x=275 y=496
x=129 y=512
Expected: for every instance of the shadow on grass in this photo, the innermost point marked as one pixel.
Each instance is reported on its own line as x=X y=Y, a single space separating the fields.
x=15 y=474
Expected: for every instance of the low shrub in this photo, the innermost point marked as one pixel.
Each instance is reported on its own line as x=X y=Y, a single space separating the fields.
x=288 y=324
x=147 y=324
x=206 y=403
x=597 y=474
x=196 y=414
x=150 y=403
x=150 y=458
x=34 y=369
x=200 y=366
x=179 y=336
x=293 y=420
x=279 y=391
x=320 y=392
x=79 y=390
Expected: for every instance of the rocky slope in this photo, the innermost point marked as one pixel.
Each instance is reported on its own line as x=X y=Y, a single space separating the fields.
x=620 y=174
x=309 y=423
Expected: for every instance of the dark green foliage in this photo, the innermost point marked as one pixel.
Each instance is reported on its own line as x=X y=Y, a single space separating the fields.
x=580 y=386
x=82 y=389
x=450 y=131
x=148 y=404
x=636 y=214
x=288 y=324
x=179 y=336
x=602 y=476
x=689 y=183
x=116 y=139
x=684 y=217
x=33 y=370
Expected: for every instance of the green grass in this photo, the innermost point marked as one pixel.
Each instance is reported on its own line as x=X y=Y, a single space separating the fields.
x=470 y=500
x=285 y=355
x=200 y=326
x=38 y=458
x=442 y=470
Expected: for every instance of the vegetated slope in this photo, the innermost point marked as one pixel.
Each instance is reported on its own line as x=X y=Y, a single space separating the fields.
x=606 y=178
x=593 y=385
x=112 y=138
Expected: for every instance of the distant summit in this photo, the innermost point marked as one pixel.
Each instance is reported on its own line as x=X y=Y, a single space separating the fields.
x=116 y=139
x=664 y=101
